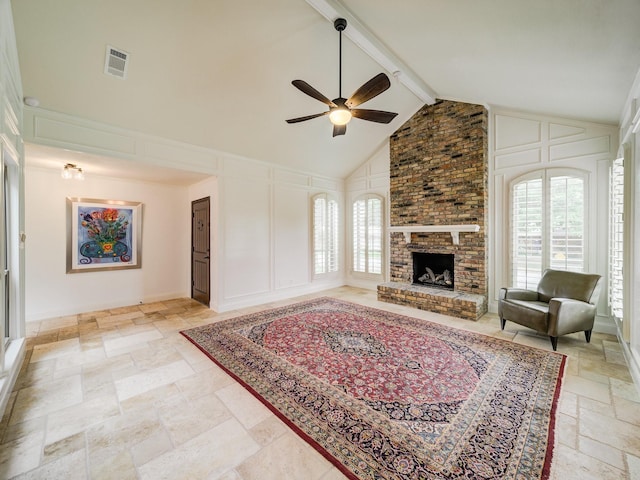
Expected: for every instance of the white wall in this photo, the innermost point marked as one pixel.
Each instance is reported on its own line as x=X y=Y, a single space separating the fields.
x=520 y=143
x=371 y=177
x=50 y=291
x=264 y=232
x=261 y=215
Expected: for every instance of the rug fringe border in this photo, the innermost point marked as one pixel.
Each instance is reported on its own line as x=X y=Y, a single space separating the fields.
x=548 y=460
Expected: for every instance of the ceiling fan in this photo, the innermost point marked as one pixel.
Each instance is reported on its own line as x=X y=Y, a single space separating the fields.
x=341 y=110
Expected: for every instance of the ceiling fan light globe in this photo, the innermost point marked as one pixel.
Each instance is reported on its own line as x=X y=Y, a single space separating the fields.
x=340 y=116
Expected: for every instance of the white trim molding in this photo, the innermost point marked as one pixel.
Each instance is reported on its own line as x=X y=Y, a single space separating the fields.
x=454 y=230
x=359 y=34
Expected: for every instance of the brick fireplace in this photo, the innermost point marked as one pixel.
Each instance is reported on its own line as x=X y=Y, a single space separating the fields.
x=438 y=178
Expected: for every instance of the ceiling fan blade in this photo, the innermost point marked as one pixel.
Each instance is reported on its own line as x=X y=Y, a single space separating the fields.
x=378 y=116
x=308 y=117
x=372 y=88
x=304 y=87
x=339 y=130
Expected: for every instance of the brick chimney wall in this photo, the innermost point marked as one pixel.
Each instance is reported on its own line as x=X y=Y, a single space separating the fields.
x=438 y=176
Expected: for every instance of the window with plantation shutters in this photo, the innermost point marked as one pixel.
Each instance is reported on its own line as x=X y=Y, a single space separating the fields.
x=325 y=234
x=367 y=235
x=332 y=236
x=566 y=217
x=527 y=233
x=548 y=224
x=616 y=232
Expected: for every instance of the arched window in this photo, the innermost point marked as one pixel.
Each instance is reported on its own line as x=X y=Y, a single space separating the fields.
x=548 y=224
x=367 y=234
x=325 y=234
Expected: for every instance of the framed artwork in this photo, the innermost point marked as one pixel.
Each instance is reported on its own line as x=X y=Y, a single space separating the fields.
x=103 y=235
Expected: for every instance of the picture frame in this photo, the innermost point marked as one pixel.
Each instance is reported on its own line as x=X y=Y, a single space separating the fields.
x=103 y=235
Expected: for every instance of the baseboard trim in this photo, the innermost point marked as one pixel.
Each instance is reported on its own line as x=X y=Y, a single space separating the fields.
x=274 y=296
x=121 y=302
x=631 y=360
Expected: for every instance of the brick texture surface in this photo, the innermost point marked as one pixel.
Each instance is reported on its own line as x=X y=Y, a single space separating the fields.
x=438 y=176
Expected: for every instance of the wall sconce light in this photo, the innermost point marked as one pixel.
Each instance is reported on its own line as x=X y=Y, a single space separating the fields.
x=72 y=171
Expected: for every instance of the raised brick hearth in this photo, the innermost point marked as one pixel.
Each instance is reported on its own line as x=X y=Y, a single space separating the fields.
x=438 y=176
x=447 y=302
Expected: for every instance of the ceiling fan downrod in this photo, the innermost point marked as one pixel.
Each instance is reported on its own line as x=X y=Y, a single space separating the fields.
x=340 y=24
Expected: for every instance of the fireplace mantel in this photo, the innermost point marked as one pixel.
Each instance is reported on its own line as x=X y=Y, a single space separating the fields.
x=454 y=230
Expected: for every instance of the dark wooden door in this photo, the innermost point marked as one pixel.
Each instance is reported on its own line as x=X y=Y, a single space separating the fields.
x=200 y=254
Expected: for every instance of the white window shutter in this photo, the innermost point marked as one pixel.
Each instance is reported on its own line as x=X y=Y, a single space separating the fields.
x=616 y=238
x=548 y=225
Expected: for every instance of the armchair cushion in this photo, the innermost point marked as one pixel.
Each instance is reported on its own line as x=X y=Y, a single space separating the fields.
x=532 y=314
x=567 y=315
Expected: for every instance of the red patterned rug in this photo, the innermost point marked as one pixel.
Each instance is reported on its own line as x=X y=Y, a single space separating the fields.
x=385 y=396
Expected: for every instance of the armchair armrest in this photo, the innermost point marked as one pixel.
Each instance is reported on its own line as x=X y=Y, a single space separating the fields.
x=567 y=315
x=518 y=294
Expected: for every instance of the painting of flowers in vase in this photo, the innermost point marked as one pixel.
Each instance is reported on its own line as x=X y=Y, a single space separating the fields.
x=102 y=234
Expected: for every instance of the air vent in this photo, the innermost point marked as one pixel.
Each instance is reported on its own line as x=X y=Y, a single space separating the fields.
x=116 y=62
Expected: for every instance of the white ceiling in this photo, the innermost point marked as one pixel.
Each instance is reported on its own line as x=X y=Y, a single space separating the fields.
x=217 y=73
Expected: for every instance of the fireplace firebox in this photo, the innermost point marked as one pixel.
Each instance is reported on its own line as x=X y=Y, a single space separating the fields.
x=433 y=270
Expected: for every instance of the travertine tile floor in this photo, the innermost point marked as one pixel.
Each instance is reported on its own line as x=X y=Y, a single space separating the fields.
x=121 y=394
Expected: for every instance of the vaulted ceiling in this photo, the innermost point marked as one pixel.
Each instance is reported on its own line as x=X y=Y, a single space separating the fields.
x=217 y=73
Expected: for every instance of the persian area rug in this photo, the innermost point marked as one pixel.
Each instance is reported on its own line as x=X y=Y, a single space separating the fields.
x=385 y=396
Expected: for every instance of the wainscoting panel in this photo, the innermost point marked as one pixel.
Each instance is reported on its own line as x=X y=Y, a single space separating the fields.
x=246 y=231
x=525 y=142
x=518 y=159
x=327 y=184
x=50 y=130
x=580 y=148
x=516 y=132
x=281 y=176
x=557 y=130
x=291 y=243
x=166 y=154
x=239 y=169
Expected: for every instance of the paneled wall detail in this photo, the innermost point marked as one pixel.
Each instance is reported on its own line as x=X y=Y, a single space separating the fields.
x=372 y=177
x=523 y=142
x=260 y=213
